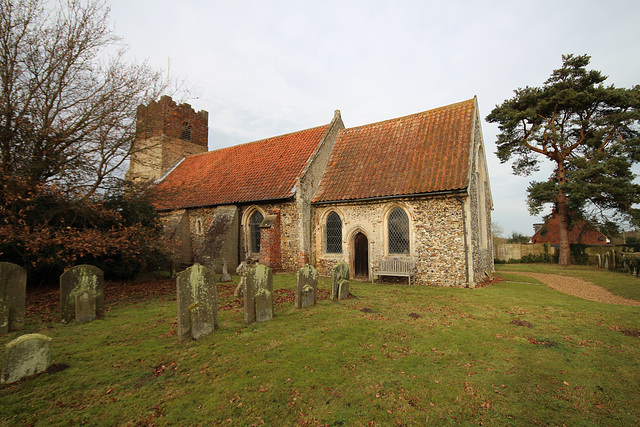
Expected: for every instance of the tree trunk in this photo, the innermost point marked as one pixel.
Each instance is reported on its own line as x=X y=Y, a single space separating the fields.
x=563 y=219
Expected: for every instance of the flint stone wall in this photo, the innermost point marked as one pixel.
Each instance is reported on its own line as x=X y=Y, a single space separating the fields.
x=436 y=237
x=480 y=241
x=289 y=231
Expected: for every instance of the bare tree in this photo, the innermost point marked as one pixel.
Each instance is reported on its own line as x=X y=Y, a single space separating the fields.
x=68 y=98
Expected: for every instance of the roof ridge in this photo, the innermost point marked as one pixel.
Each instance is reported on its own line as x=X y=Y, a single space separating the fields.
x=382 y=122
x=243 y=144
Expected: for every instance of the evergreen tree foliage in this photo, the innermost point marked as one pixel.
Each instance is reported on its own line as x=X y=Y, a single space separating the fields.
x=589 y=131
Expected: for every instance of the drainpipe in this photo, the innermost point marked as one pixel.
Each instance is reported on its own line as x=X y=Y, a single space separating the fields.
x=240 y=257
x=466 y=245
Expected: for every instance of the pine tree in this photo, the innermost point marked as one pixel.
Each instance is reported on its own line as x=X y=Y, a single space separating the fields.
x=588 y=130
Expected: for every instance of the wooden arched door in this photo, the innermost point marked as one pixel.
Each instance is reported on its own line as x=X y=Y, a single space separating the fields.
x=361 y=256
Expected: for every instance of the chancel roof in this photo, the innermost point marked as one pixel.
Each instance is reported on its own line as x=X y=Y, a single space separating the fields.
x=423 y=153
x=256 y=171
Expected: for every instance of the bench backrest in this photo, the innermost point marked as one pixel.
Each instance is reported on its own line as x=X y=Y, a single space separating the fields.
x=396 y=265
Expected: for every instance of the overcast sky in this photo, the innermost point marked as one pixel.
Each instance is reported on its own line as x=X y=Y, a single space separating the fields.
x=264 y=68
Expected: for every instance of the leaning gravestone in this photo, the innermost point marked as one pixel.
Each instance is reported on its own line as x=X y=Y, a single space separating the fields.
x=258 y=294
x=197 y=302
x=13 y=294
x=340 y=281
x=26 y=355
x=81 y=293
x=306 y=286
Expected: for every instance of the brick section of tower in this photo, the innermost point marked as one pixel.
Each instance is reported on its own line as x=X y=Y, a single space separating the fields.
x=166 y=133
x=270 y=248
x=167 y=118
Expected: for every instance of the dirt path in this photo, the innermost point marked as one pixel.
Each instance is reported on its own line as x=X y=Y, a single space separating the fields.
x=579 y=288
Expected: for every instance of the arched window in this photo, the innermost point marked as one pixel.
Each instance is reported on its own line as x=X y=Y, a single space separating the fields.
x=398 y=228
x=334 y=234
x=254 y=231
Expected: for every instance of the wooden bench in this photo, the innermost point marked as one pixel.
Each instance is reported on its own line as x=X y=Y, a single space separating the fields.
x=395 y=267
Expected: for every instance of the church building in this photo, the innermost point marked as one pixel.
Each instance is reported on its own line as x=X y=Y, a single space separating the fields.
x=414 y=188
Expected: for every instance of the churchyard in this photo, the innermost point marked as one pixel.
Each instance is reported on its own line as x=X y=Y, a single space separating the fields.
x=511 y=353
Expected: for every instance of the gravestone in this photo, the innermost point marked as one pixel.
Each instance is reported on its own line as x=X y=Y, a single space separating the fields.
x=79 y=280
x=606 y=261
x=613 y=260
x=13 y=294
x=340 y=281
x=85 y=307
x=343 y=289
x=258 y=294
x=599 y=259
x=242 y=270
x=226 y=277
x=306 y=287
x=26 y=355
x=197 y=302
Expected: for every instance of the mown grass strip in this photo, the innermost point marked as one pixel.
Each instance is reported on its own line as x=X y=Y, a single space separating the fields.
x=509 y=354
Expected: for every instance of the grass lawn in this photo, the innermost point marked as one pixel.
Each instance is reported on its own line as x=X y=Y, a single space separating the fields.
x=513 y=353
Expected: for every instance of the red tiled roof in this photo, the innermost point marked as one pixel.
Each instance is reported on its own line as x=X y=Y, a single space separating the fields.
x=260 y=170
x=581 y=232
x=421 y=153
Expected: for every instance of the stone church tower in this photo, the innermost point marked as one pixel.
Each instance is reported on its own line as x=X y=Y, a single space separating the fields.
x=167 y=132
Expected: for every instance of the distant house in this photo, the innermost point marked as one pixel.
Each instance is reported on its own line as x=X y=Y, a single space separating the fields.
x=412 y=188
x=581 y=232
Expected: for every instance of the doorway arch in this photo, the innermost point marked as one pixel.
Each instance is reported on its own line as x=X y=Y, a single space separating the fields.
x=360 y=256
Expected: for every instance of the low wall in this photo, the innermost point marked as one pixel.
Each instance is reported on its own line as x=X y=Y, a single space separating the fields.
x=507 y=251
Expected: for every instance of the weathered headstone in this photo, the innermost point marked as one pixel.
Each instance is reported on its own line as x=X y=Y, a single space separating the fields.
x=599 y=260
x=306 y=287
x=340 y=280
x=197 y=302
x=258 y=294
x=343 y=289
x=226 y=277
x=26 y=355
x=13 y=294
x=613 y=259
x=85 y=307
x=606 y=261
x=242 y=270
x=79 y=280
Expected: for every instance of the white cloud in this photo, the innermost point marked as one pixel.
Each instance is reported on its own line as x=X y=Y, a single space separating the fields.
x=263 y=68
